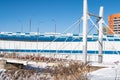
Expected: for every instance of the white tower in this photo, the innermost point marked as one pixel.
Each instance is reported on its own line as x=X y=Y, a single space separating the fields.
x=85 y=29
x=100 y=47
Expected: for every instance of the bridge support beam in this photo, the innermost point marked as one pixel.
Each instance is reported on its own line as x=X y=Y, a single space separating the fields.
x=100 y=41
x=85 y=29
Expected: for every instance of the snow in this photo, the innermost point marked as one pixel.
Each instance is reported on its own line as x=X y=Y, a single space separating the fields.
x=112 y=73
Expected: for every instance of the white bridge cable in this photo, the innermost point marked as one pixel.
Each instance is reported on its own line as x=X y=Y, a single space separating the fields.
x=58 y=37
x=61 y=34
x=113 y=32
x=110 y=29
x=103 y=35
x=98 y=29
x=68 y=43
x=63 y=45
x=91 y=27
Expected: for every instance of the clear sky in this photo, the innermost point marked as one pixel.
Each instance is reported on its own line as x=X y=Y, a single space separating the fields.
x=15 y=14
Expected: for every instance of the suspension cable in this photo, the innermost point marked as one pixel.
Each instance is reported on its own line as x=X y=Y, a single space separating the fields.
x=103 y=35
x=61 y=34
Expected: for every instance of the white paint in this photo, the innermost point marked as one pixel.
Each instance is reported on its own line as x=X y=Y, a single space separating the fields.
x=111 y=45
x=100 y=41
x=106 y=74
x=85 y=30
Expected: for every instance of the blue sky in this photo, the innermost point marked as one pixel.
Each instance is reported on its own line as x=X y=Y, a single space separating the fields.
x=15 y=14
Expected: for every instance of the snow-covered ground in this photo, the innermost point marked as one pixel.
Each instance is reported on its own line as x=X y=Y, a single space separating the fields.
x=111 y=61
x=111 y=73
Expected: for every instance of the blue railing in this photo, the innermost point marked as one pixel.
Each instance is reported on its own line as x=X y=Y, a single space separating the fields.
x=42 y=37
x=59 y=51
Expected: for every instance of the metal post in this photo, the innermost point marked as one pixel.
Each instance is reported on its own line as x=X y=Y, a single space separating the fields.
x=55 y=27
x=37 y=40
x=79 y=28
x=55 y=24
x=30 y=25
x=100 y=47
x=21 y=25
x=85 y=26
